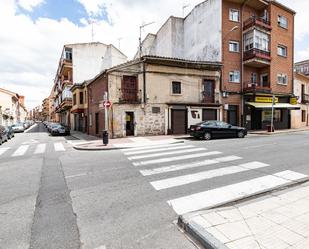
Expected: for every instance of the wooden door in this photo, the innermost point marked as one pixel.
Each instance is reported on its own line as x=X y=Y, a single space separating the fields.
x=209 y=91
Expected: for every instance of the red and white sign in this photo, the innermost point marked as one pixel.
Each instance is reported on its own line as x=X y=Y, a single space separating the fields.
x=107 y=104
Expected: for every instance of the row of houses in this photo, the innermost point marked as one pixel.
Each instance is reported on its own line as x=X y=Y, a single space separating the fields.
x=12 y=108
x=225 y=61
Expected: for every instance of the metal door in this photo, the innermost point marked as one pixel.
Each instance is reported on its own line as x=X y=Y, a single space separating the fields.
x=179 y=121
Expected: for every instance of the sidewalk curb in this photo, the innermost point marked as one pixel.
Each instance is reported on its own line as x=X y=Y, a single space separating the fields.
x=274 y=133
x=78 y=147
x=200 y=234
x=207 y=240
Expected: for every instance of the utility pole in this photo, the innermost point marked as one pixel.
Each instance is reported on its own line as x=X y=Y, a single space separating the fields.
x=119 y=40
x=140 y=37
x=91 y=22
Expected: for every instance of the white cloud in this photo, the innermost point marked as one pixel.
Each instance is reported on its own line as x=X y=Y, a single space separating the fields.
x=29 y=4
x=30 y=50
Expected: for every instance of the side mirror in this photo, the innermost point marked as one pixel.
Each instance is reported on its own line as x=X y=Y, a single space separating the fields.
x=230 y=126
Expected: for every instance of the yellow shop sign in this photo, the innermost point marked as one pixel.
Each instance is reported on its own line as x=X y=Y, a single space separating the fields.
x=293 y=101
x=266 y=99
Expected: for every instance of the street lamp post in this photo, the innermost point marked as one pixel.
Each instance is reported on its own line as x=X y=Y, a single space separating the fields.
x=272 y=114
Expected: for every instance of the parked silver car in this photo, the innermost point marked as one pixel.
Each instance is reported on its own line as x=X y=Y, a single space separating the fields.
x=19 y=127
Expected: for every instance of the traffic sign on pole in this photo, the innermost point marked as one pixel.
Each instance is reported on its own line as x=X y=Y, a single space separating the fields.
x=107 y=104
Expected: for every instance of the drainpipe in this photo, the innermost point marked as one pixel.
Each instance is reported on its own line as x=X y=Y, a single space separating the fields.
x=242 y=64
x=144 y=82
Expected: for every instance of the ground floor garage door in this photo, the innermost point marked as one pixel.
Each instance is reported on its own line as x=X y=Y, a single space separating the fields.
x=209 y=114
x=179 y=121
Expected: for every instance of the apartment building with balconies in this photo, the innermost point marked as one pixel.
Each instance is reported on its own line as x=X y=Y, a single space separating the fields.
x=302 y=67
x=79 y=62
x=253 y=39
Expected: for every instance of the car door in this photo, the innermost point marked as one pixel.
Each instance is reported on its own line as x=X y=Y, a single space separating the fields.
x=213 y=128
x=224 y=129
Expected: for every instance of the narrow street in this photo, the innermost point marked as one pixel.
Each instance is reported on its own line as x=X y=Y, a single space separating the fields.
x=57 y=197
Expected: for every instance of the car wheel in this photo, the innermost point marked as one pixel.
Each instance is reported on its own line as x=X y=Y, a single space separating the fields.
x=240 y=134
x=207 y=135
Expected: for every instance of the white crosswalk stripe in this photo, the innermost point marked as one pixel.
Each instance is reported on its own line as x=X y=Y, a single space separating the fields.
x=176 y=158
x=30 y=149
x=219 y=196
x=40 y=149
x=21 y=150
x=180 y=146
x=186 y=179
x=151 y=147
x=166 y=153
x=176 y=167
x=59 y=147
x=3 y=150
x=180 y=158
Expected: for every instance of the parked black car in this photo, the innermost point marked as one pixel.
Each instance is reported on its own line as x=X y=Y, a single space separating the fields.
x=10 y=132
x=216 y=129
x=3 y=134
x=60 y=130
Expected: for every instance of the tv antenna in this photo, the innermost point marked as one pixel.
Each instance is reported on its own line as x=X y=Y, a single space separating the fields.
x=184 y=6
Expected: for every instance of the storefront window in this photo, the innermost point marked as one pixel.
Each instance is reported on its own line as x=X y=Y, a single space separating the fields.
x=266 y=116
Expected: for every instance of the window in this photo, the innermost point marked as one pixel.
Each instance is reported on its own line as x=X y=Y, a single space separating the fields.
x=234 y=76
x=81 y=98
x=303 y=116
x=266 y=116
x=68 y=54
x=282 y=51
x=156 y=110
x=253 y=78
x=282 y=79
x=283 y=22
x=256 y=39
x=234 y=46
x=234 y=15
x=74 y=99
x=176 y=87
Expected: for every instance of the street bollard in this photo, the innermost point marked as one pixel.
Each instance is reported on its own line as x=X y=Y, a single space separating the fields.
x=105 y=137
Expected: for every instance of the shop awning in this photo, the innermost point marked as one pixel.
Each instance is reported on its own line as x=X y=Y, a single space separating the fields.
x=276 y=106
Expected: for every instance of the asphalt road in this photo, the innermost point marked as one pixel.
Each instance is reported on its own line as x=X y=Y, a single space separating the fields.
x=62 y=198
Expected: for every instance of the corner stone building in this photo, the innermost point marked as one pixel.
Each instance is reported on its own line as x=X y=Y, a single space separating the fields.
x=155 y=96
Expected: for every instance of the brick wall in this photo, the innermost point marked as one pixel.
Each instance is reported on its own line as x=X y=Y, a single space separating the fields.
x=283 y=37
x=95 y=97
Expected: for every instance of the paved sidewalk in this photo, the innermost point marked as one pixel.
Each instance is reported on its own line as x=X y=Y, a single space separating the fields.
x=278 y=132
x=92 y=143
x=277 y=221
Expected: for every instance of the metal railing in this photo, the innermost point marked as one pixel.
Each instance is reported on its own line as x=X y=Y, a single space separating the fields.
x=258 y=21
x=129 y=96
x=305 y=98
x=257 y=87
x=254 y=52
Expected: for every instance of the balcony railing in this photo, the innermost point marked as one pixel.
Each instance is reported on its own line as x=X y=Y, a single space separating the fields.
x=208 y=98
x=305 y=98
x=257 y=21
x=257 y=53
x=257 y=87
x=130 y=96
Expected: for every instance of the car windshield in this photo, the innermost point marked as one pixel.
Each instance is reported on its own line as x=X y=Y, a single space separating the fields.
x=209 y=123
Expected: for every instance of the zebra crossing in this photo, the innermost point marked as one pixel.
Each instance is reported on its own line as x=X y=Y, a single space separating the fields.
x=161 y=160
x=31 y=149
